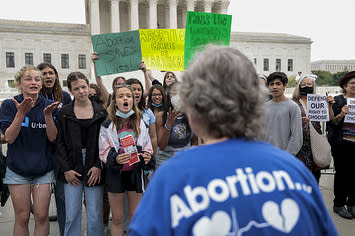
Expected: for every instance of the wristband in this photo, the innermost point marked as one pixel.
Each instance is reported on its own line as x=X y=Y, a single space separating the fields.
x=167 y=127
x=334 y=120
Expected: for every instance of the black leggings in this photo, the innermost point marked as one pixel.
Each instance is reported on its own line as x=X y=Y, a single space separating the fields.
x=344 y=179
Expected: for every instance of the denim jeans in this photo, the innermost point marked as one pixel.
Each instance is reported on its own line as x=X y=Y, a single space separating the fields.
x=60 y=203
x=94 y=209
x=59 y=198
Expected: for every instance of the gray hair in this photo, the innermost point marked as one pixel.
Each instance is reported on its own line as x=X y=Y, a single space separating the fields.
x=221 y=88
x=296 y=95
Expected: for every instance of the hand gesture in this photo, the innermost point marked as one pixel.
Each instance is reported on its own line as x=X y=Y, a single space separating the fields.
x=172 y=115
x=143 y=67
x=344 y=110
x=49 y=109
x=71 y=176
x=25 y=106
x=95 y=176
x=94 y=57
x=330 y=99
x=305 y=120
x=146 y=157
x=123 y=158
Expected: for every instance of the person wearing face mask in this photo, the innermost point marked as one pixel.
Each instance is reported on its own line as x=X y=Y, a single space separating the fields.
x=173 y=129
x=124 y=121
x=306 y=85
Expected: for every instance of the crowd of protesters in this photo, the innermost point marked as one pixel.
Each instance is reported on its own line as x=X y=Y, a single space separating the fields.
x=110 y=146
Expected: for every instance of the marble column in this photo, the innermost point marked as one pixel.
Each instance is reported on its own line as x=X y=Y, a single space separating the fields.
x=134 y=15
x=224 y=6
x=173 y=14
x=115 y=16
x=208 y=5
x=153 y=16
x=190 y=6
x=94 y=17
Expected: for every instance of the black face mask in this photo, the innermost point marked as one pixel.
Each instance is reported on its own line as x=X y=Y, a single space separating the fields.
x=306 y=90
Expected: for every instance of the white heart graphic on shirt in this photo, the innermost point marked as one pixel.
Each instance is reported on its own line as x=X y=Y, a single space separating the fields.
x=219 y=225
x=283 y=220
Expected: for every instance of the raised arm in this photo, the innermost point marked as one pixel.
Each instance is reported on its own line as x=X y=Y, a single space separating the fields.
x=98 y=79
x=51 y=129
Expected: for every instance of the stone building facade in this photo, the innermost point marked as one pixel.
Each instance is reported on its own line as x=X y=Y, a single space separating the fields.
x=333 y=66
x=68 y=46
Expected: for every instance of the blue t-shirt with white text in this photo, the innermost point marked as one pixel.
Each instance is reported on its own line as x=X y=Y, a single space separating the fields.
x=234 y=187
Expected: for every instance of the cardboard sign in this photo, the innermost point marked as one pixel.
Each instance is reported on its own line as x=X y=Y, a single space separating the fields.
x=163 y=49
x=317 y=107
x=128 y=145
x=350 y=116
x=204 y=28
x=118 y=52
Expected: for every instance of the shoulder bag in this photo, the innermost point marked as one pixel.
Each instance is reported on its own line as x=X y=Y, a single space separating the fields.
x=321 y=149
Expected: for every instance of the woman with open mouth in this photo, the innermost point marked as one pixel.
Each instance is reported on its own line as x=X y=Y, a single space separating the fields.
x=29 y=128
x=51 y=88
x=148 y=116
x=126 y=149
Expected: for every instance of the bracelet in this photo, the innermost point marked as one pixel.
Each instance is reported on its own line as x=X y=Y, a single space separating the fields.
x=167 y=127
x=334 y=120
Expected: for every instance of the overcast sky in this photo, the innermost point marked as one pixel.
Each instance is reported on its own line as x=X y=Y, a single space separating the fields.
x=329 y=23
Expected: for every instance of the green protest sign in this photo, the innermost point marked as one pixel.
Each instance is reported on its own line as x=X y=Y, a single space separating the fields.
x=118 y=52
x=204 y=28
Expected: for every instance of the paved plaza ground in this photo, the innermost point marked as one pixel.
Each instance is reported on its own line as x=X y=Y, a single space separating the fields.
x=345 y=227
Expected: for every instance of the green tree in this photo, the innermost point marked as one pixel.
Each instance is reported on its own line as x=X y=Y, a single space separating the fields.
x=338 y=76
x=325 y=78
x=291 y=82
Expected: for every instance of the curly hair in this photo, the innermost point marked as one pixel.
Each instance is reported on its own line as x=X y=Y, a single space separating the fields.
x=221 y=89
x=22 y=72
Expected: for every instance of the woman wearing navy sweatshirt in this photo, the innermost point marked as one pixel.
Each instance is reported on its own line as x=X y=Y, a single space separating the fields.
x=30 y=131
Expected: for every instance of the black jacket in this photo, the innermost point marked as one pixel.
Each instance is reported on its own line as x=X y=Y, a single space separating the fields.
x=69 y=155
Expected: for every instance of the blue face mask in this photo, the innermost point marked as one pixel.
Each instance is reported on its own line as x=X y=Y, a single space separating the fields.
x=124 y=115
x=157 y=105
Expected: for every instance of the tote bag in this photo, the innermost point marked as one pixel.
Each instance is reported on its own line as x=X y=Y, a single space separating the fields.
x=321 y=149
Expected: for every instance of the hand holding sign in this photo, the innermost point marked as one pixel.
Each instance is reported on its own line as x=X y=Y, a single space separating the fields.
x=349 y=110
x=317 y=107
x=118 y=52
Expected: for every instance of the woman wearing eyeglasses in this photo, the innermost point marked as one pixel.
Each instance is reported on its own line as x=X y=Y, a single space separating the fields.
x=341 y=136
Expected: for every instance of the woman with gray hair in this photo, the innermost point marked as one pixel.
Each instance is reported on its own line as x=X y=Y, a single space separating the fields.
x=233 y=184
x=307 y=85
